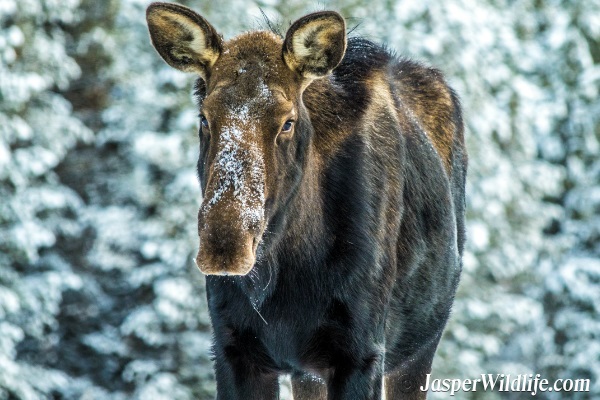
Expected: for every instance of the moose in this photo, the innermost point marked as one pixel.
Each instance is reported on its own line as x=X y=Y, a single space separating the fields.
x=331 y=227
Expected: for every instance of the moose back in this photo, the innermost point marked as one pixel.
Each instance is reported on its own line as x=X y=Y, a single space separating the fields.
x=332 y=221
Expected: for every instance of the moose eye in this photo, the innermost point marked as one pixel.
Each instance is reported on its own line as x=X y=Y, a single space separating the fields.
x=203 y=122
x=287 y=127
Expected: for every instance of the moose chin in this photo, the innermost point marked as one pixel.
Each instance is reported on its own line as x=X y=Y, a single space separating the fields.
x=332 y=222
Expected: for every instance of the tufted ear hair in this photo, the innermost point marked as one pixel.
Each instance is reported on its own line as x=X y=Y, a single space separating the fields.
x=315 y=44
x=183 y=38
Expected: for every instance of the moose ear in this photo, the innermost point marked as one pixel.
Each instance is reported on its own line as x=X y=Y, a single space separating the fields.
x=315 y=44
x=184 y=39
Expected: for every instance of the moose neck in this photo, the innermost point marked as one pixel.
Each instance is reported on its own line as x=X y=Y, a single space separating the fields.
x=305 y=211
x=305 y=218
x=301 y=245
x=294 y=246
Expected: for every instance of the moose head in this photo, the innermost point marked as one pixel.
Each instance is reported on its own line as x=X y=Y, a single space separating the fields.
x=255 y=132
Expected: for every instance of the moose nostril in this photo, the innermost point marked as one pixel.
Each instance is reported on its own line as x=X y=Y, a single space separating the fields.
x=237 y=258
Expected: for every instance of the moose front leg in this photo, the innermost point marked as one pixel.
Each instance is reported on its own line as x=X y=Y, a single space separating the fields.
x=243 y=369
x=244 y=382
x=405 y=386
x=357 y=381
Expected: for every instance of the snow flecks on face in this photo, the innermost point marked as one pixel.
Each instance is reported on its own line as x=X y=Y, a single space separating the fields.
x=239 y=166
x=263 y=91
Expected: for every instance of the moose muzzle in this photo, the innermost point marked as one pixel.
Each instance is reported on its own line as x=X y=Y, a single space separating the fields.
x=231 y=218
x=230 y=230
x=234 y=254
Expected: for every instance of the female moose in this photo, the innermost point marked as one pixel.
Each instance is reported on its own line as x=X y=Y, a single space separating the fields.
x=332 y=222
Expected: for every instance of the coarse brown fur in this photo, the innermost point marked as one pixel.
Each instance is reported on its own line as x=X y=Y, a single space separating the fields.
x=332 y=221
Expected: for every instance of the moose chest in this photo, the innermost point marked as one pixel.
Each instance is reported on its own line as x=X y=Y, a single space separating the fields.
x=298 y=328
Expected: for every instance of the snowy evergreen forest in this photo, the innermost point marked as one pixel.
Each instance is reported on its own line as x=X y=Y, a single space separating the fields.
x=99 y=296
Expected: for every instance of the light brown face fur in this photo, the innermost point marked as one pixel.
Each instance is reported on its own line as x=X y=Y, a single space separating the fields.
x=250 y=97
x=254 y=85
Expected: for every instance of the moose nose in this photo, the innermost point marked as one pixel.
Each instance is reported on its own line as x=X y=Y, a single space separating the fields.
x=238 y=259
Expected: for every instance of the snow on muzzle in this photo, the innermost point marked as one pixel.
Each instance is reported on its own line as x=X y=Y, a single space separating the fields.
x=231 y=217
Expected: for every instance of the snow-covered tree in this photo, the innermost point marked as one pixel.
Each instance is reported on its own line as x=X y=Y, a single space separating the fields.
x=571 y=292
x=37 y=211
x=99 y=297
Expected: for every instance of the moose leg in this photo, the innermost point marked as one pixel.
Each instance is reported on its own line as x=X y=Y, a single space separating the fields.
x=245 y=382
x=357 y=382
x=306 y=387
x=405 y=382
x=404 y=386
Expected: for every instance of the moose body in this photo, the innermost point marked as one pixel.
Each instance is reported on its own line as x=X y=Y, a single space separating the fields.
x=332 y=222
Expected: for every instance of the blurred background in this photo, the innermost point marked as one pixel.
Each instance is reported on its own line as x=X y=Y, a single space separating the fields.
x=99 y=297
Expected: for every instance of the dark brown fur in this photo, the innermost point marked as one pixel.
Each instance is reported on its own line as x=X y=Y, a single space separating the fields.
x=346 y=231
